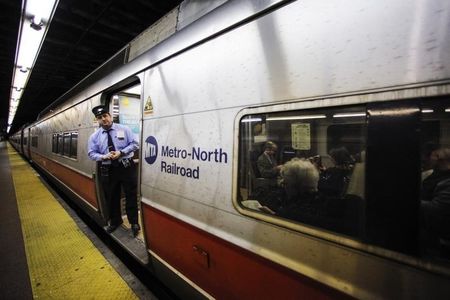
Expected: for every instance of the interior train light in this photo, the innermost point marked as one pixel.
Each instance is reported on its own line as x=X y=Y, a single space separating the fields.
x=307 y=117
x=350 y=115
x=36 y=15
x=427 y=111
x=251 y=120
x=447 y=110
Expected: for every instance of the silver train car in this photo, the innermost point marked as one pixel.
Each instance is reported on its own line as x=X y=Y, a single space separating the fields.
x=371 y=78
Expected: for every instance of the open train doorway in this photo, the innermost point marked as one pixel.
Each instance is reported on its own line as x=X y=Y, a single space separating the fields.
x=125 y=105
x=121 y=216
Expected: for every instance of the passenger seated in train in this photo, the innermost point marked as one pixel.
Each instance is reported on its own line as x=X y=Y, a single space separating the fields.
x=299 y=180
x=267 y=162
x=426 y=159
x=334 y=180
x=434 y=170
x=435 y=208
x=356 y=186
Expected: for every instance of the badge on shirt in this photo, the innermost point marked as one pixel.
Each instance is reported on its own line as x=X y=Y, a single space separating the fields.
x=120 y=134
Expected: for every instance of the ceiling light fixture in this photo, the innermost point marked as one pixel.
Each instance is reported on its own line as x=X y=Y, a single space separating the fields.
x=249 y=120
x=308 y=117
x=36 y=15
x=350 y=115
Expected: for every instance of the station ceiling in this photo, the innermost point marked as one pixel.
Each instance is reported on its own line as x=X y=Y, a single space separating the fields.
x=83 y=35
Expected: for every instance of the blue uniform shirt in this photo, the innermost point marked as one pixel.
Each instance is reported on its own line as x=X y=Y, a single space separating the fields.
x=123 y=140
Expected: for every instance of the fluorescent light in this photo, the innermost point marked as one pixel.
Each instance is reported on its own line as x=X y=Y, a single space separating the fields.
x=427 y=111
x=20 y=79
x=40 y=8
x=30 y=43
x=447 y=110
x=309 y=117
x=395 y=112
x=251 y=120
x=15 y=94
x=36 y=16
x=350 y=115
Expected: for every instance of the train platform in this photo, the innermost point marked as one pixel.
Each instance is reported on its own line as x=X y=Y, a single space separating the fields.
x=47 y=252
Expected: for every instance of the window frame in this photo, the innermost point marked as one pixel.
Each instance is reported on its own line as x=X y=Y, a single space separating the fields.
x=60 y=147
x=55 y=143
x=34 y=141
x=276 y=220
x=73 y=154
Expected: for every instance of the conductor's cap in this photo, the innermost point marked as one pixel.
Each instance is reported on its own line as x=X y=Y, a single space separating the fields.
x=100 y=110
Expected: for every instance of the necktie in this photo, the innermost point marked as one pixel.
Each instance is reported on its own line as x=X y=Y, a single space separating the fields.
x=111 y=146
x=110 y=142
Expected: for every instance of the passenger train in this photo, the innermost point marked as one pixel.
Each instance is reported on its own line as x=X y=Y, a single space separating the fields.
x=371 y=78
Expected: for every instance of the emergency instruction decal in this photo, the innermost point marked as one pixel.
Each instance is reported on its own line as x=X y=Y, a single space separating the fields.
x=173 y=156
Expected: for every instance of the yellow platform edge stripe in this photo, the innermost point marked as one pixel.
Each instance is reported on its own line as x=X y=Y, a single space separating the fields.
x=63 y=263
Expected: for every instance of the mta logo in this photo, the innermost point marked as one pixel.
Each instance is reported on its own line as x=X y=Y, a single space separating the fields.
x=151 y=150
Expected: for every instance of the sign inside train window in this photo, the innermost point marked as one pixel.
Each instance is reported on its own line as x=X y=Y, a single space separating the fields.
x=173 y=156
x=301 y=136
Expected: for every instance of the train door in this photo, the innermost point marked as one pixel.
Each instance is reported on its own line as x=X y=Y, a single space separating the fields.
x=27 y=142
x=124 y=103
x=22 y=141
x=125 y=106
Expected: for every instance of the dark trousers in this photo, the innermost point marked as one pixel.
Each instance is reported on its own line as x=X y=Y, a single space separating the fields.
x=127 y=178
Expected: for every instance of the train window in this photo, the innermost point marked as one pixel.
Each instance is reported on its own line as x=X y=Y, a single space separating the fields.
x=66 y=143
x=34 y=141
x=305 y=166
x=73 y=144
x=435 y=180
x=55 y=143
x=60 y=144
x=25 y=141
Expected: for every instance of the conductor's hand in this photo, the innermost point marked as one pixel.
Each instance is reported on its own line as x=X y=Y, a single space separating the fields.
x=114 y=154
x=106 y=156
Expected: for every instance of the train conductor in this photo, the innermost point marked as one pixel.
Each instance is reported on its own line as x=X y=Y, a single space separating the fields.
x=112 y=145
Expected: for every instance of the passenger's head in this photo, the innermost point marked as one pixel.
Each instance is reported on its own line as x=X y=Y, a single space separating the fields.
x=103 y=116
x=341 y=156
x=428 y=158
x=270 y=148
x=440 y=159
x=299 y=176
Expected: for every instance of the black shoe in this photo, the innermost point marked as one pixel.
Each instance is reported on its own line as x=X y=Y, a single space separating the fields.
x=111 y=228
x=135 y=229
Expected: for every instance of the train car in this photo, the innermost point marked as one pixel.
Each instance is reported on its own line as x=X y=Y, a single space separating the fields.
x=14 y=140
x=19 y=140
x=358 y=89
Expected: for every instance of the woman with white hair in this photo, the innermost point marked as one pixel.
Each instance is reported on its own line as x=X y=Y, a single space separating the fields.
x=299 y=179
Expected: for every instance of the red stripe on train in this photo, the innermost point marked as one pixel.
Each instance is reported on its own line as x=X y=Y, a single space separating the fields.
x=80 y=184
x=222 y=269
